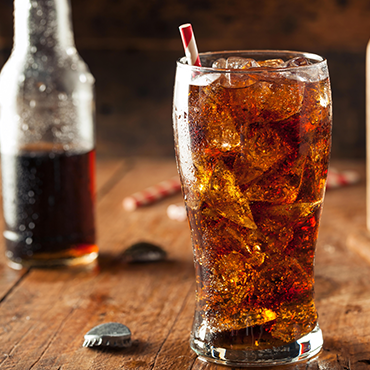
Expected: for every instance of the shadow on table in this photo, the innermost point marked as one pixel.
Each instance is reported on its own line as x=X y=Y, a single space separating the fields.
x=116 y=262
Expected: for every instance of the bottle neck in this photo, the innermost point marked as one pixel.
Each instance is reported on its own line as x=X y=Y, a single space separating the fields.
x=42 y=25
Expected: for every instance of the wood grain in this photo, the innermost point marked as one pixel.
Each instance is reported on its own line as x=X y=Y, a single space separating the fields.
x=105 y=172
x=44 y=314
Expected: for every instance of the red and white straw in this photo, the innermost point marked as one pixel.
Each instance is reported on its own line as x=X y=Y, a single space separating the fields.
x=338 y=179
x=190 y=46
x=152 y=194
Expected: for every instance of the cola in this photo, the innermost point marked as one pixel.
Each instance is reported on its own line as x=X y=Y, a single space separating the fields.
x=48 y=202
x=252 y=147
x=47 y=138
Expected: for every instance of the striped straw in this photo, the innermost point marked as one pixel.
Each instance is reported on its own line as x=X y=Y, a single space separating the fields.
x=152 y=194
x=338 y=179
x=190 y=47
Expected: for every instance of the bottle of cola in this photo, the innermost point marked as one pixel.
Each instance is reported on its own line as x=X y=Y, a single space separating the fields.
x=47 y=138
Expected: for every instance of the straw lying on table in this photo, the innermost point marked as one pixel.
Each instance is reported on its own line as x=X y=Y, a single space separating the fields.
x=152 y=194
x=337 y=179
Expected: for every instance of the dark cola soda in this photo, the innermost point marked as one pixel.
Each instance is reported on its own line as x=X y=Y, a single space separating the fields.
x=252 y=152
x=48 y=201
x=47 y=130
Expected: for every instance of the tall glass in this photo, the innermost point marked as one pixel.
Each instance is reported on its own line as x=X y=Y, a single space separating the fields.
x=252 y=137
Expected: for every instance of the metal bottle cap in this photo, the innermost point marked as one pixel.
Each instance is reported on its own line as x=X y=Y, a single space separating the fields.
x=111 y=334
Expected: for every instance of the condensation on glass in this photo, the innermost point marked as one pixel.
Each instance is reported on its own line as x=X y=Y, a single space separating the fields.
x=252 y=138
x=47 y=137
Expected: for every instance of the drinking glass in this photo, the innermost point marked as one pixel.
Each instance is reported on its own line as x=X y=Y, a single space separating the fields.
x=252 y=139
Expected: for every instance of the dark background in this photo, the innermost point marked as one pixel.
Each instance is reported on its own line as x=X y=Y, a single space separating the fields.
x=131 y=47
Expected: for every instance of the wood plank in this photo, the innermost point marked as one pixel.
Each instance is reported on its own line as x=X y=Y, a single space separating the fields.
x=44 y=317
x=106 y=168
x=175 y=352
x=105 y=171
x=65 y=304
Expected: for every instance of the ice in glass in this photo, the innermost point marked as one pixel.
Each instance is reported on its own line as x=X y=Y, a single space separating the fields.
x=252 y=138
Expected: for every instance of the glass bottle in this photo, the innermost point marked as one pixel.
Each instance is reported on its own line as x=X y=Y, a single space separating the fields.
x=47 y=138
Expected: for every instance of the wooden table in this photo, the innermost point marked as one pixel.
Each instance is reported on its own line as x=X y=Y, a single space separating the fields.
x=44 y=314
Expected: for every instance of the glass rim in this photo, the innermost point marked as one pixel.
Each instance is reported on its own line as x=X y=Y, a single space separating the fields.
x=316 y=59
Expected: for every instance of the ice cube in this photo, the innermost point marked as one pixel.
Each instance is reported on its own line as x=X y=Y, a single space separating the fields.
x=278 y=230
x=212 y=113
x=282 y=222
x=235 y=63
x=240 y=63
x=246 y=241
x=275 y=100
x=261 y=148
x=219 y=234
x=317 y=106
x=225 y=197
x=295 y=319
x=195 y=189
x=297 y=62
x=303 y=74
x=271 y=63
x=302 y=246
x=280 y=184
x=236 y=79
x=222 y=134
x=292 y=213
x=267 y=99
x=231 y=270
x=216 y=186
x=219 y=63
x=315 y=128
x=231 y=278
x=281 y=280
x=234 y=280
x=315 y=172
